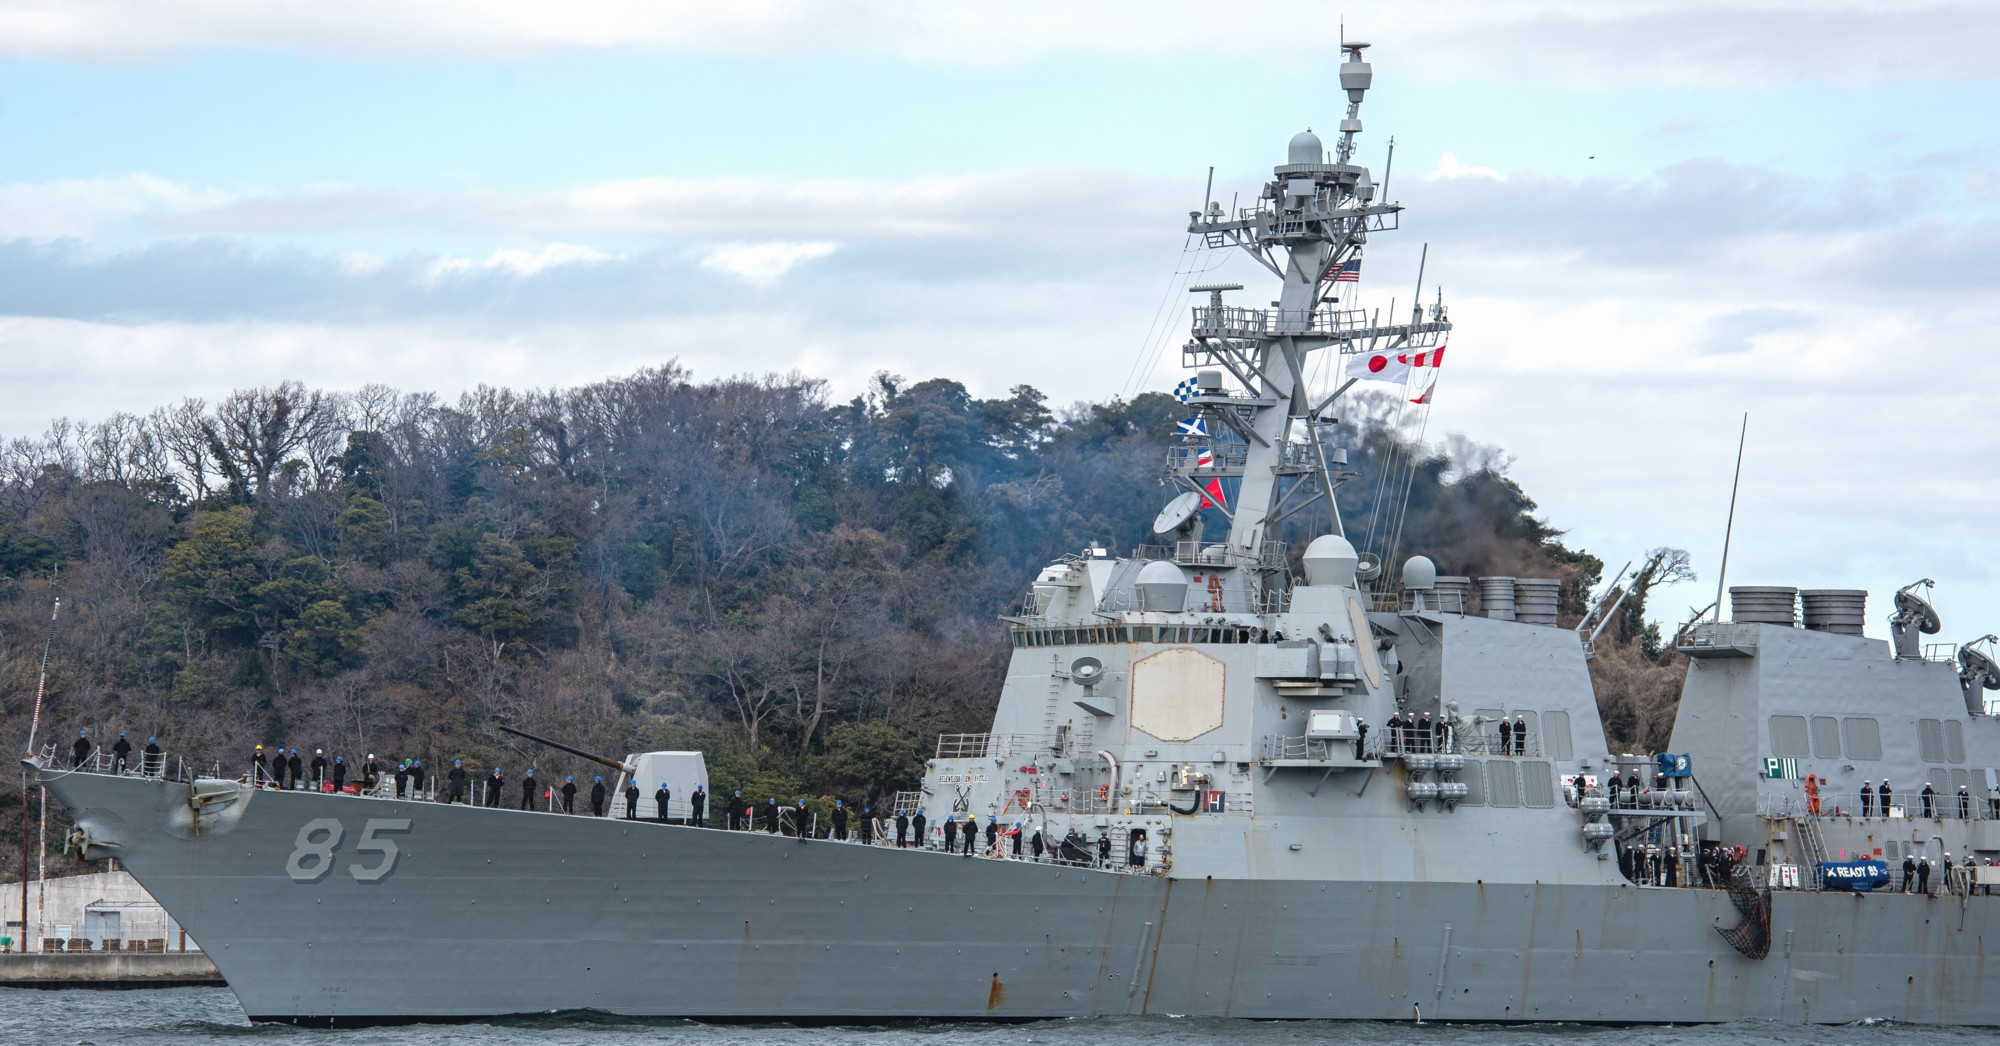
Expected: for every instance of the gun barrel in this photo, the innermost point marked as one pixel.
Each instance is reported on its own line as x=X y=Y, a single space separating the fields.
x=593 y=757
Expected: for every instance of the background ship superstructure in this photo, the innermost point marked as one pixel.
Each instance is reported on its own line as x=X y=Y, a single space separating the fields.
x=1198 y=696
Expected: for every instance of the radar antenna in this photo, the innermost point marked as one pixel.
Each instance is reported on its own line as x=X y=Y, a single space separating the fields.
x=1978 y=670
x=1914 y=614
x=1307 y=227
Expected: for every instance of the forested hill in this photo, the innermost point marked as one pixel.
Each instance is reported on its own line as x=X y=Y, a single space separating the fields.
x=805 y=589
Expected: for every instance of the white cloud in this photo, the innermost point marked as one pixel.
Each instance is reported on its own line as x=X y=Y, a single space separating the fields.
x=1608 y=352
x=95 y=208
x=360 y=263
x=1450 y=166
x=763 y=264
x=1697 y=42
x=516 y=261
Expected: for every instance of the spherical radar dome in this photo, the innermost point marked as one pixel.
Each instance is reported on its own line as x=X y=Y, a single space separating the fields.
x=1330 y=560
x=1306 y=148
x=1419 y=573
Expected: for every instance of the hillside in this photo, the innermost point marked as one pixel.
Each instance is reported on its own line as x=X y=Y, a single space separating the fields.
x=805 y=589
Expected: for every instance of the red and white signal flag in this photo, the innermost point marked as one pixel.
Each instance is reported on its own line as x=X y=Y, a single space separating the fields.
x=1393 y=367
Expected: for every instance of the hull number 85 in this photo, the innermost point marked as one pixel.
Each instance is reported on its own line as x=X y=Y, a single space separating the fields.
x=312 y=856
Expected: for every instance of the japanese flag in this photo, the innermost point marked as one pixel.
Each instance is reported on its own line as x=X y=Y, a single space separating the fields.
x=1390 y=366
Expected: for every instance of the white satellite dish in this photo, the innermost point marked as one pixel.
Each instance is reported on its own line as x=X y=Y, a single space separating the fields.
x=1178 y=511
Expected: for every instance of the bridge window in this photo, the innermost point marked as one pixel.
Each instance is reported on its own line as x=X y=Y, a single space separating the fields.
x=1538 y=784
x=1475 y=783
x=1825 y=737
x=1954 y=741
x=1930 y=740
x=1555 y=728
x=1788 y=737
x=1502 y=786
x=1864 y=738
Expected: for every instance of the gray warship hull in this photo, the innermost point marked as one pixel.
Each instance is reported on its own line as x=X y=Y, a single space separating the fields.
x=488 y=913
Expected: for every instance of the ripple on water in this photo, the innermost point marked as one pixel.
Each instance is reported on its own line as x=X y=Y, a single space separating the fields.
x=210 y=1015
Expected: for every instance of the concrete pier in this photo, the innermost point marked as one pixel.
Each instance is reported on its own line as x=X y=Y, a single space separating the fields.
x=108 y=970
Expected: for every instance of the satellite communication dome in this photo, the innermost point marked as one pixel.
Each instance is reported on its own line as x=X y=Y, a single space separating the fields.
x=1306 y=148
x=1330 y=560
x=1419 y=573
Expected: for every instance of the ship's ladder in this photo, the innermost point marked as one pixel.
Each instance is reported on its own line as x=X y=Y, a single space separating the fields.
x=1813 y=847
x=1052 y=711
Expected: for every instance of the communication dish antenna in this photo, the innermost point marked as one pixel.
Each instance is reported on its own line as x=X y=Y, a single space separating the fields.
x=1088 y=671
x=1978 y=671
x=1368 y=566
x=1913 y=614
x=1976 y=666
x=1177 y=513
x=1913 y=609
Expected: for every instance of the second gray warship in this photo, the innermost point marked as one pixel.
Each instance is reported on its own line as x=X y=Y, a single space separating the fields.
x=1359 y=793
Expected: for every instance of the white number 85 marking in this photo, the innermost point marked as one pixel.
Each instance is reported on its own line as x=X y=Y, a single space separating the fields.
x=312 y=854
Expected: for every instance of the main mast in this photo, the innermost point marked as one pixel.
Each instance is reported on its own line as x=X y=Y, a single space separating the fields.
x=1307 y=226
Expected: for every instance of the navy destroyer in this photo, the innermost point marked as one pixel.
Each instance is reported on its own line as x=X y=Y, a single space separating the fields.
x=1366 y=791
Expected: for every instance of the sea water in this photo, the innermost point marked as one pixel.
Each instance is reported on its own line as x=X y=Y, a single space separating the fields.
x=210 y=1015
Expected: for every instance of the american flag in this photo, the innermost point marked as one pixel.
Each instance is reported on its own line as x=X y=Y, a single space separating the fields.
x=1348 y=271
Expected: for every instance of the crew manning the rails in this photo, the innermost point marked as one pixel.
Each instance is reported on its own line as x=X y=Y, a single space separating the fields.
x=152 y=761
x=284 y=768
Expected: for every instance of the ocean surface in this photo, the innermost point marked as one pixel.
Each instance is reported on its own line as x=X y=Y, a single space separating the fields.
x=210 y=1015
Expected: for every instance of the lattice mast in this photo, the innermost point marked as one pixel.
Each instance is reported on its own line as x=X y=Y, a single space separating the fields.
x=1311 y=219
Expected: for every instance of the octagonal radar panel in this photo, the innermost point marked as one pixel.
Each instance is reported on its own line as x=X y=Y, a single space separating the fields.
x=1177 y=513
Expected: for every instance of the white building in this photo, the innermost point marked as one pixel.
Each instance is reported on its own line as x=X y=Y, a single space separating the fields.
x=97 y=908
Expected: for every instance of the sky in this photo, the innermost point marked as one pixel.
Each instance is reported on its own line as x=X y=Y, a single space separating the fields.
x=1647 y=218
